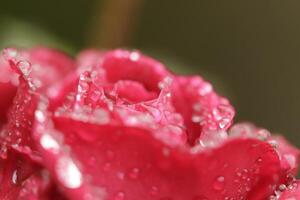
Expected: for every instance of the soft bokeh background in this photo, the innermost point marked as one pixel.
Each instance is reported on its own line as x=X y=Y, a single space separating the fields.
x=250 y=50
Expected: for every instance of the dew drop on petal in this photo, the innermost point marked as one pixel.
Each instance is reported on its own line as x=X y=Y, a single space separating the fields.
x=10 y=53
x=282 y=187
x=68 y=173
x=120 y=196
x=291 y=159
x=134 y=173
x=121 y=175
x=196 y=118
x=14 y=177
x=25 y=67
x=154 y=191
x=48 y=142
x=219 y=183
x=134 y=56
x=106 y=167
x=39 y=116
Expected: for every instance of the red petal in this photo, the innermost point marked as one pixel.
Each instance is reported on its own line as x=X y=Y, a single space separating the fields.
x=7 y=88
x=14 y=171
x=289 y=155
x=203 y=110
x=125 y=65
x=89 y=58
x=132 y=91
x=130 y=163
x=8 y=91
x=16 y=134
x=292 y=192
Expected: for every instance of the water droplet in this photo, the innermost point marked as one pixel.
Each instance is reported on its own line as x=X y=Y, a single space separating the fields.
x=291 y=159
x=219 y=183
x=68 y=173
x=121 y=175
x=25 y=67
x=14 y=177
x=39 y=116
x=207 y=88
x=134 y=173
x=196 y=118
x=282 y=187
x=10 y=53
x=273 y=143
x=49 y=143
x=92 y=161
x=134 y=56
x=101 y=116
x=120 y=196
x=224 y=122
x=154 y=191
x=106 y=167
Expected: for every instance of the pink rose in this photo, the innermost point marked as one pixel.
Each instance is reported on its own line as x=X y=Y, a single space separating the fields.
x=118 y=125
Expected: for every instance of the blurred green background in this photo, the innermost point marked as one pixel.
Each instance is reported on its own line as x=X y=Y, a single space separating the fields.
x=250 y=50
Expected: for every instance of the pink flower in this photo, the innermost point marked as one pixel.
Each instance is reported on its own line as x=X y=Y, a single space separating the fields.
x=119 y=126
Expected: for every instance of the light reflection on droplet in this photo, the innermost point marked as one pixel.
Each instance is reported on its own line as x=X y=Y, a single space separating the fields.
x=120 y=196
x=68 y=173
x=39 y=115
x=48 y=142
x=134 y=56
x=14 y=177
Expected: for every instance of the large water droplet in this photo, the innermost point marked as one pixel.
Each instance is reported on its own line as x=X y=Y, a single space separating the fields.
x=68 y=173
x=49 y=143
x=134 y=56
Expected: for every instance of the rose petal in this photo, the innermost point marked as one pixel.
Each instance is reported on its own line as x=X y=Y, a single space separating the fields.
x=8 y=91
x=89 y=58
x=14 y=171
x=16 y=134
x=292 y=192
x=39 y=186
x=130 y=163
x=91 y=103
x=289 y=155
x=132 y=91
x=7 y=88
x=125 y=65
x=203 y=110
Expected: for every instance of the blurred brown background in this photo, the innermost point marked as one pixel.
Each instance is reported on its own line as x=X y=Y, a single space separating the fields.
x=248 y=49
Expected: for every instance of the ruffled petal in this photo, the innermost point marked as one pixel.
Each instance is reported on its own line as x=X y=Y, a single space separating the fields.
x=203 y=110
x=126 y=65
x=287 y=192
x=129 y=162
x=288 y=154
